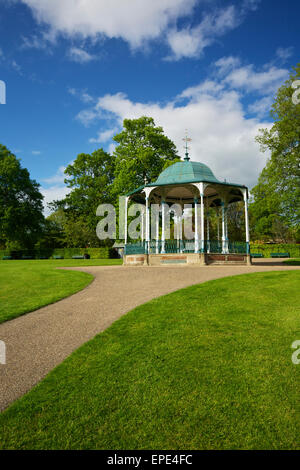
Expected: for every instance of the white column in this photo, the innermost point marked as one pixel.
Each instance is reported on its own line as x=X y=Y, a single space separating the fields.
x=207 y=232
x=142 y=223
x=247 y=222
x=147 y=226
x=163 y=226
x=157 y=232
x=180 y=233
x=196 y=226
x=202 y=217
x=218 y=227
x=226 y=230
x=125 y=218
x=223 y=228
x=177 y=232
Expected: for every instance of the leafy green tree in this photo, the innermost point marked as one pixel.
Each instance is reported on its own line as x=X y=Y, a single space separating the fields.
x=90 y=179
x=143 y=151
x=53 y=232
x=77 y=233
x=21 y=203
x=275 y=210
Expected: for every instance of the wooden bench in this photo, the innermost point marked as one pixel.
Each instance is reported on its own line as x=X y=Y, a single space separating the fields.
x=280 y=255
x=78 y=257
x=257 y=255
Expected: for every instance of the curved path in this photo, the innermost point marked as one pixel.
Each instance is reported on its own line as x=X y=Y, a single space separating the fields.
x=40 y=340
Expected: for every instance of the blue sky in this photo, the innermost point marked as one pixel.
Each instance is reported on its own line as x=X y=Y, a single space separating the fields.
x=75 y=69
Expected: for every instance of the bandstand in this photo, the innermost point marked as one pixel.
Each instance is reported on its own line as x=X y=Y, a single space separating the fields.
x=191 y=186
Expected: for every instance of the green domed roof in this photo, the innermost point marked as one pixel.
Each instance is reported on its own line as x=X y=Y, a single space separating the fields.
x=186 y=172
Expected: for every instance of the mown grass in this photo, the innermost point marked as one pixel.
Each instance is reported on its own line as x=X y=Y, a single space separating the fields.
x=207 y=367
x=292 y=262
x=28 y=285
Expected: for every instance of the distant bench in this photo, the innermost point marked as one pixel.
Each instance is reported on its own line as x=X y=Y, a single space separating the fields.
x=73 y=257
x=25 y=257
x=280 y=255
x=257 y=255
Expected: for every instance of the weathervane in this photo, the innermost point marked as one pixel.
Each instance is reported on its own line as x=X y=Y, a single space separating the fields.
x=186 y=139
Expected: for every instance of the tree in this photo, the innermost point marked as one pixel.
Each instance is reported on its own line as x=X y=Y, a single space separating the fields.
x=143 y=151
x=21 y=203
x=90 y=178
x=77 y=233
x=275 y=210
x=53 y=232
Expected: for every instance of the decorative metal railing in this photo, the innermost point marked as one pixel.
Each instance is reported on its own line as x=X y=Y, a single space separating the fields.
x=226 y=247
x=135 y=248
x=184 y=246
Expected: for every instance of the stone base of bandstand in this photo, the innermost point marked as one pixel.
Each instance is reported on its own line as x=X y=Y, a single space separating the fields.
x=199 y=259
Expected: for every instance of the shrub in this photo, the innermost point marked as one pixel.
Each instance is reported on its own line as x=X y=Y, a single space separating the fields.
x=266 y=250
x=66 y=253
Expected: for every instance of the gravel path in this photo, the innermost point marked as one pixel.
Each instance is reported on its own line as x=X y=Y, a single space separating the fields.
x=40 y=340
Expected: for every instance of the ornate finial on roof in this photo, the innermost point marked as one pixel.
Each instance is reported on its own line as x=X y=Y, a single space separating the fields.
x=186 y=139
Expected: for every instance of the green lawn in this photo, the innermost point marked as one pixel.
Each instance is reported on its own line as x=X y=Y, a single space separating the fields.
x=28 y=285
x=207 y=367
x=292 y=262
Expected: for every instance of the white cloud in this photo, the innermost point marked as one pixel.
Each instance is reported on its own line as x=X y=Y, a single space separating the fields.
x=132 y=20
x=10 y=63
x=56 y=189
x=284 y=53
x=250 y=5
x=79 y=55
x=246 y=78
x=191 y=41
x=225 y=64
x=53 y=193
x=81 y=94
x=138 y=22
x=111 y=148
x=261 y=107
x=34 y=42
x=16 y=67
x=208 y=87
x=103 y=136
x=188 y=42
x=87 y=116
x=223 y=137
x=36 y=152
x=57 y=178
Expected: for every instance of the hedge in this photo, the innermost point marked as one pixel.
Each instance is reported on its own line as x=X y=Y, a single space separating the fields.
x=67 y=253
x=266 y=250
x=105 y=253
x=95 y=253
